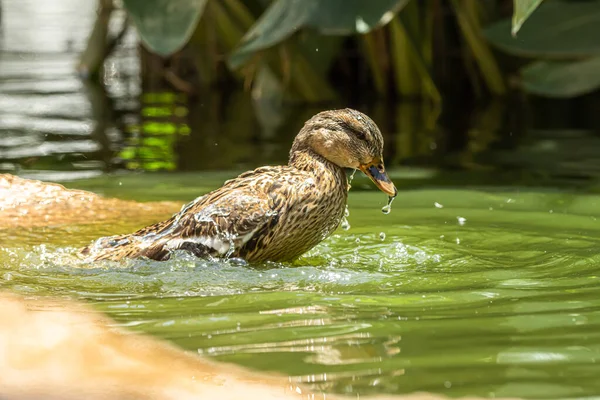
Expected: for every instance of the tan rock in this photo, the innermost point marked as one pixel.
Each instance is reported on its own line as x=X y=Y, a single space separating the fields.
x=31 y=203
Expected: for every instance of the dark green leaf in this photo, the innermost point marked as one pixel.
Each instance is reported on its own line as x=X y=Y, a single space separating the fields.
x=562 y=78
x=330 y=17
x=165 y=26
x=558 y=29
x=522 y=11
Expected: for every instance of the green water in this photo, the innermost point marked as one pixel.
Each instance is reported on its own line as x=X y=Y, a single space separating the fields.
x=485 y=292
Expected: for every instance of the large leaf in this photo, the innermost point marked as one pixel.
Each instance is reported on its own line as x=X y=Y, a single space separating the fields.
x=330 y=17
x=558 y=29
x=562 y=78
x=522 y=11
x=165 y=26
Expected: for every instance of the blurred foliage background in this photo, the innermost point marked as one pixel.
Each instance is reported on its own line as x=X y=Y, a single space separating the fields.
x=226 y=84
x=320 y=50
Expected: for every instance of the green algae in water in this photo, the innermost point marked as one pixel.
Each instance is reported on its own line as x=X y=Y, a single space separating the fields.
x=512 y=310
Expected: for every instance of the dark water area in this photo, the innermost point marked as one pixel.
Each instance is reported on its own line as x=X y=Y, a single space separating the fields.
x=57 y=127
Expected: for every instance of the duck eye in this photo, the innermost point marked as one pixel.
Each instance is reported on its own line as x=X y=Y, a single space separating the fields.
x=359 y=133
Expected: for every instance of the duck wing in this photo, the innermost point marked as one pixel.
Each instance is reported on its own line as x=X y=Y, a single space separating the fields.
x=223 y=223
x=215 y=224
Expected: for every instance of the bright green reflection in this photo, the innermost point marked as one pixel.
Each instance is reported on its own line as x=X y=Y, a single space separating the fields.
x=467 y=292
x=151 y=144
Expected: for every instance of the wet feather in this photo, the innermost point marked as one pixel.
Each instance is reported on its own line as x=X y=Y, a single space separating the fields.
x=271 y=213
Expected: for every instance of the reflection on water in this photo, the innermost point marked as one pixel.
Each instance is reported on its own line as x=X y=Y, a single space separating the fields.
x=54 y=126
x=51 y=121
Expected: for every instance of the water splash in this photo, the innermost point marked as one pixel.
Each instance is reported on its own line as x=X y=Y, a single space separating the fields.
x=388 y=207
x=382 y=236
x=345 y=224
x=231 y=250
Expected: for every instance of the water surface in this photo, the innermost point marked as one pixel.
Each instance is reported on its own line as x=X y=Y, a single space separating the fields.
x=462 y=292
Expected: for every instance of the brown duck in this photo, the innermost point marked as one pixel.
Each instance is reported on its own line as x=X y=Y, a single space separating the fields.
x=272 y=213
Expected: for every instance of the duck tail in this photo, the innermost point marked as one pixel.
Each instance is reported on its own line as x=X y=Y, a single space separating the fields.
x=116 y=248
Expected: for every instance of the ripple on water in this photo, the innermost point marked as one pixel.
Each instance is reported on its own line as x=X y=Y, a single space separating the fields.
x=372 y=316
x=344 y=263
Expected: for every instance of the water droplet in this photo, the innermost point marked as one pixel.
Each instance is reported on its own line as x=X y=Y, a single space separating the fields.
x=438 y=205
x=381 y=235
x=447 y=384
x=345 y=224
x=461 y=220
x=350 y=178
x=357 y=240
x=387 y=208
x=231 y=248
x=346 y=212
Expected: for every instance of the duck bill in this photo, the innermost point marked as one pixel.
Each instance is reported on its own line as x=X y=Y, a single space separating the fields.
x=376 y=172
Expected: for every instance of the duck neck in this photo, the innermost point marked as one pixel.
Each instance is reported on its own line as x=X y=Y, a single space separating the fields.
x=308 y=160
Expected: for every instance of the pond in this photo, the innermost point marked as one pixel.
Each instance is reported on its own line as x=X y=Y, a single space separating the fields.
x=481 y=282
x=462 y=292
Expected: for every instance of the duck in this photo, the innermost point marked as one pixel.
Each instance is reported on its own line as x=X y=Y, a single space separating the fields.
x=272 y=213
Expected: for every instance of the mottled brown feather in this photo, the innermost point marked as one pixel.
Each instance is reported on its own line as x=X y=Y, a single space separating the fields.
x=271 y=213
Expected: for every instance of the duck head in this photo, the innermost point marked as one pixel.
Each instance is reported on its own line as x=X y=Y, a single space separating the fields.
x=349 y=139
